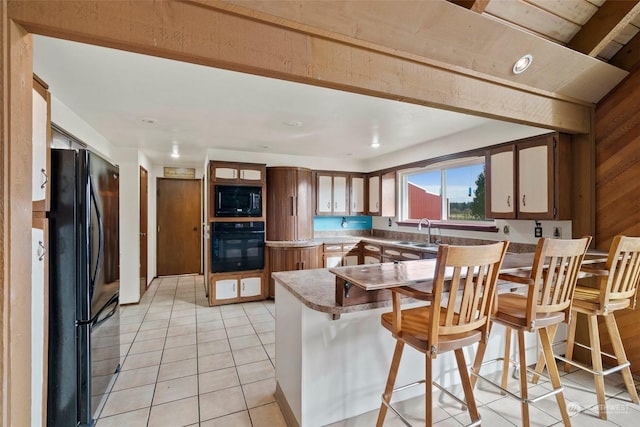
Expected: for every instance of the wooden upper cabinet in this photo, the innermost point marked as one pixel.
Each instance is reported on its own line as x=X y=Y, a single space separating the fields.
x=374 y=194
x=382 y=194
x=237 y=173
x=501 y=183
x=41 y=141
x=332 y=193
x=289 y=204
x=530 y=179
x=357 y=194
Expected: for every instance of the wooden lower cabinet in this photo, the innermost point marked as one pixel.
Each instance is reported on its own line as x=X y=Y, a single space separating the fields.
x=290 y=258
x=225 y=288
x=371 y=253
x=336 y=255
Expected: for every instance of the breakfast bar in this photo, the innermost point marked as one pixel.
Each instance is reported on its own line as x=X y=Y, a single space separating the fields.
x=333 y=356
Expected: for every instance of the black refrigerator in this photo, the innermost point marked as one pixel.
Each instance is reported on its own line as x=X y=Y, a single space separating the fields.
x=84 y=282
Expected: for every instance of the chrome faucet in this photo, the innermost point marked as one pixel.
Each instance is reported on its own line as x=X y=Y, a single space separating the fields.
x=428 y=222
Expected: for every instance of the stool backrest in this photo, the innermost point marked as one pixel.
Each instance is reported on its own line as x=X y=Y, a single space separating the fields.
x=470 y=275
x=556 y=266
x=623 y=265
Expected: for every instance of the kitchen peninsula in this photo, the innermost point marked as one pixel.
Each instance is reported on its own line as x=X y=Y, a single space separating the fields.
x=333 y=359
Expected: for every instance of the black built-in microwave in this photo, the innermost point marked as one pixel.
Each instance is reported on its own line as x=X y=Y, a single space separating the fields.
x=237 y=201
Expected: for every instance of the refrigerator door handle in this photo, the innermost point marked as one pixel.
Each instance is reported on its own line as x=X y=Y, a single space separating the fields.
x=94 y=201
x=97 y=319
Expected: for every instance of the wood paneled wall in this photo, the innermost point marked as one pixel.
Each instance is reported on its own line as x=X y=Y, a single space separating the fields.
x=617 y=133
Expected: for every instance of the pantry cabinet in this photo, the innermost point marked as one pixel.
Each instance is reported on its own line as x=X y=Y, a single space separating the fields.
x=530 y=179
x=289 y=203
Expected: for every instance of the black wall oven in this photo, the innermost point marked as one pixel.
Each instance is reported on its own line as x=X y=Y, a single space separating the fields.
x=237 y=246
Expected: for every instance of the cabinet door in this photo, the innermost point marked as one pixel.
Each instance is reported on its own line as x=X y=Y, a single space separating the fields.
x=39 y=317
x=41 y=135
x=226 y=289
x=225 y=172
x=351 y=260
x=304 y=205
x=501 y=180
x=308 y=258
x=250 y=174
x=374 y=195
x=250 y=286
x=388 y=194
x=325 y=195
x=534 y=182
x=332 y=260
x=357 y=195
x=371 y=259
x=340 y=195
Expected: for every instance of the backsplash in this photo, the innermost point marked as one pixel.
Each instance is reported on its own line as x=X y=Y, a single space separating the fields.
x=341 y=223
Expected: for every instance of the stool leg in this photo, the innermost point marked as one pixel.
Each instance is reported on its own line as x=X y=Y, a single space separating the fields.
x=541 y=363
x=466 y=385
x=554 y=375
x=571 y=338
x=522 y=366
x=428 y=390
x=618 y=350
x=507 y=357
x=391 y=380
x=596 y=363
x=477 y=362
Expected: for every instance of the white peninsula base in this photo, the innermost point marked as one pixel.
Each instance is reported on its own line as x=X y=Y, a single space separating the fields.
x=329 y=370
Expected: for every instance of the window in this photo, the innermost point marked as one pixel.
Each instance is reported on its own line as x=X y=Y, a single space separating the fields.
x=451 y=191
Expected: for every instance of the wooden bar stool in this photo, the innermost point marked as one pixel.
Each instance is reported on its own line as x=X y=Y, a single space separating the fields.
x=547 y=302
x=618 y=283
x=448 y=324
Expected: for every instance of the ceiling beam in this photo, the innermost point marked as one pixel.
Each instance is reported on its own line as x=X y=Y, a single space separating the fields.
x=604 y=26
x=628 y=58
x=209 y=36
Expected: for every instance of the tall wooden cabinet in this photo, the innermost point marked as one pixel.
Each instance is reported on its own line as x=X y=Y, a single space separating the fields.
x=530 y=179
x=41 y=161
x=289 y=203
x=237 y=286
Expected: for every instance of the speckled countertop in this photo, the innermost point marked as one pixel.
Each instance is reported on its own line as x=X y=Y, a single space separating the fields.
x=317 y=290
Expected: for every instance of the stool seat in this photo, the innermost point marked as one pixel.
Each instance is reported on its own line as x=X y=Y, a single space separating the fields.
x=587 y=300
x=512 y=312
x=415 y=323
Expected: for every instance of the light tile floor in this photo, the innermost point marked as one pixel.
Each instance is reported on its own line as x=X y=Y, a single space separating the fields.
x=187 y=364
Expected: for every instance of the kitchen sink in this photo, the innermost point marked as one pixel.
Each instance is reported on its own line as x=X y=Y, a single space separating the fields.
x=424 y=245
x=404 y=243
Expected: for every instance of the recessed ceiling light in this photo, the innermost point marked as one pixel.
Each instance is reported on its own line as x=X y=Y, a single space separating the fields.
x=375 y=144
x=149 y=120
x=175 y=155
x=265 y=146
x=292 y=123
x=522 y=64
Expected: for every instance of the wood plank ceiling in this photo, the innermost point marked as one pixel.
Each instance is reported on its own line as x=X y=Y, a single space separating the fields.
x=605 y=29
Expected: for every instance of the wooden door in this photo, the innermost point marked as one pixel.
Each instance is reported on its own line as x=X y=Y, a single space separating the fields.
x=143 y=229
x=178 y=232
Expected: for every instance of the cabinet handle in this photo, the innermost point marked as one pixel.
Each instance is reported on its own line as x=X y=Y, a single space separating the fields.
x=377 y=205
x=243 y=287
x=329 y=205
x=41 y=250
x=509 y=201
x=234 y=287
x=46 y=178
x=293 y=208
x=524 y=200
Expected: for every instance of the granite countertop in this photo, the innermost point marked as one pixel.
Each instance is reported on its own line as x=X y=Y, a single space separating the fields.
x=317 y=290
x=334 y=240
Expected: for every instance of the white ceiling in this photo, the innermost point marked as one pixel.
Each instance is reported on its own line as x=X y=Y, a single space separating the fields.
x=199 y=108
